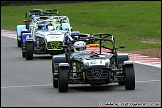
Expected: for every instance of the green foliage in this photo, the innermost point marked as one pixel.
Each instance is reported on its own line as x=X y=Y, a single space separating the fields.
x=126 y=20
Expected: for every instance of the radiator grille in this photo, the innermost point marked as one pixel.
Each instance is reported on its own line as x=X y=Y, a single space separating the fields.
x=97 y=73
x=54 y=45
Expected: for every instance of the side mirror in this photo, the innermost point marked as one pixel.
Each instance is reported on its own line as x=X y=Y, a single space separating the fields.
x=121 y=46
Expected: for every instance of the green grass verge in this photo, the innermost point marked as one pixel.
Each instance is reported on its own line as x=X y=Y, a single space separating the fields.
x=128 y=21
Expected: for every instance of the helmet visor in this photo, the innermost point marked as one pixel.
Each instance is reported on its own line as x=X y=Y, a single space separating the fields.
x=80 y=49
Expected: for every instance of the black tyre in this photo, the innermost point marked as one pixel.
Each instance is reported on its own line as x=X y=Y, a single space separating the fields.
x=18 y=43
x=23 y=53
x=55 y=82
x=129 y=77
x=55 y=62
x=63 y=79
x=29 y=51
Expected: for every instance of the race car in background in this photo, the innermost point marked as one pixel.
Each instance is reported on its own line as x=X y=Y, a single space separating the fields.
x=46 y=36
x=29 y=16
x=51 y=12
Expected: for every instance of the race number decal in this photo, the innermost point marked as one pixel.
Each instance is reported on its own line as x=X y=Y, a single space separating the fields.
x=96 y=62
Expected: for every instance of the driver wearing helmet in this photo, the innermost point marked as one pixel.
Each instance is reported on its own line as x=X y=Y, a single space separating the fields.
x=79 y=48
x=42 y=25
x=51 y=27
x=33 y=16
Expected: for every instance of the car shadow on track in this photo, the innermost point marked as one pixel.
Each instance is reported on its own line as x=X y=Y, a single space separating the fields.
x=37 y=57
x=89 y=88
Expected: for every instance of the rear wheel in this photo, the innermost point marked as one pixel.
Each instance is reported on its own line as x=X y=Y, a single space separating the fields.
x=29 y=51
x=63 y=79
x=55 y=82
x=129 y=77
x=23 y=53
x=18 y=43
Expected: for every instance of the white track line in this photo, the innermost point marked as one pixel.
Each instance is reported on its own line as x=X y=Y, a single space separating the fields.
x=150 y=81
x=51 y=84
x=25 y=86
x=148 y=64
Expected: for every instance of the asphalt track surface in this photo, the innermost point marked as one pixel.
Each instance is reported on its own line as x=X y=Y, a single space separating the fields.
x=29 y=84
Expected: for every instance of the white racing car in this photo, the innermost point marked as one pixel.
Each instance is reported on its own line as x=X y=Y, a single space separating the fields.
x=46 y=36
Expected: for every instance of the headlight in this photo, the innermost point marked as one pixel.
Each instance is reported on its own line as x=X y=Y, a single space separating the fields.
x=39 y=42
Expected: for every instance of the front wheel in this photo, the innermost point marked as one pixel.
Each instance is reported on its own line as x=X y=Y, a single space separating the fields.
x=63 y=79
x=129 y=77
x=29 y=51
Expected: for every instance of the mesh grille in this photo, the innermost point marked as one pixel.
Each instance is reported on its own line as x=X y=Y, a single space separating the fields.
x=54 y=45
x=97 y=73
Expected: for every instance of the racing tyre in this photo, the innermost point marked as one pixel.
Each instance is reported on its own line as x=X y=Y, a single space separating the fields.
x=55 y=82
x=29 y=51
x=129 y=77
x=23 y=53
x=18 y=43
x=63 y=79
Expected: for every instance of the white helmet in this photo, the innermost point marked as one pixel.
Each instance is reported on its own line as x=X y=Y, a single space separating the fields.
x=79 y=46
x=50 y=28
